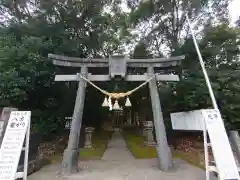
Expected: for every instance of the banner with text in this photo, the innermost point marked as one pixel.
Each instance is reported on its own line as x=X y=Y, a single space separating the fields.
x=12 y=143
x=222 y=152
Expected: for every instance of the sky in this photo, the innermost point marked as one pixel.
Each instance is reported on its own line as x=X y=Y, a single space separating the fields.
x=234 y=10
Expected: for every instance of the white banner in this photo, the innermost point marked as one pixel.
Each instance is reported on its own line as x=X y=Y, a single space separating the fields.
x=12 y=143
x=222 y=152
x=189 y=121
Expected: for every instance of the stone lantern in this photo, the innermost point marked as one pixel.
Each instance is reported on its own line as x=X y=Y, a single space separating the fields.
x=148 y=133
x=88 y=137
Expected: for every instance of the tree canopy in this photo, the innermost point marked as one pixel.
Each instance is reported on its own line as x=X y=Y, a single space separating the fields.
x=30 y=29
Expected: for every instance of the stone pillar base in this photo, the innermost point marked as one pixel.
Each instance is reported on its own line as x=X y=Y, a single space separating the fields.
x=150 y=143
x=70 y=161
x=117 y=129
x=88 y=146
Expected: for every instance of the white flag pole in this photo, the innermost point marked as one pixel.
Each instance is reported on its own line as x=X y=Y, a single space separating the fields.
x=214 y=102
x=206 y=157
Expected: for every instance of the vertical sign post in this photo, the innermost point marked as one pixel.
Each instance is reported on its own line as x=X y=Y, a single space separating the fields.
x=17 y=130
x=226 y=166
x=206 y=154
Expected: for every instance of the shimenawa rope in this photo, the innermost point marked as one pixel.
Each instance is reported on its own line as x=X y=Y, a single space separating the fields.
x=116 y=95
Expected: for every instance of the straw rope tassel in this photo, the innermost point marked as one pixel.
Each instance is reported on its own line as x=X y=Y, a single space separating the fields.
x=128 y=102
x=110 y=103
x=105 y=102
x=116 y=95
x=116 y=105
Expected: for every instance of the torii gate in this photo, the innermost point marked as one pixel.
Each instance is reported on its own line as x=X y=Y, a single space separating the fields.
x=117 y=68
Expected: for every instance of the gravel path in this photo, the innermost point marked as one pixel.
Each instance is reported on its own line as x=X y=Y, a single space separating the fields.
x=117 y=149
x=119 y=164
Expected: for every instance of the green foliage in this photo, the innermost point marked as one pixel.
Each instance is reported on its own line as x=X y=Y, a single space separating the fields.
x=164 y=22
x=141 y=51
x=27 y=82
x=78 y=28
x=84 y=28
x=220 y=50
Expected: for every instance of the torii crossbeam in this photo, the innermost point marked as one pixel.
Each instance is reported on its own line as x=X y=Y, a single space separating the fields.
x=117 y=69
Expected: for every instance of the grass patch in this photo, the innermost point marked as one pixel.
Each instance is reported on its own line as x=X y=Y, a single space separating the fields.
x=136 y=146
x=55 y=158
x=189 y=157
x=135 y=143
x=100 y=140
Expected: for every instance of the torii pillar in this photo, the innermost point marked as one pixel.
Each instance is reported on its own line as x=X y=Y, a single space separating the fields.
x=117 y=69
x=163 y=151
x=71 y=153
